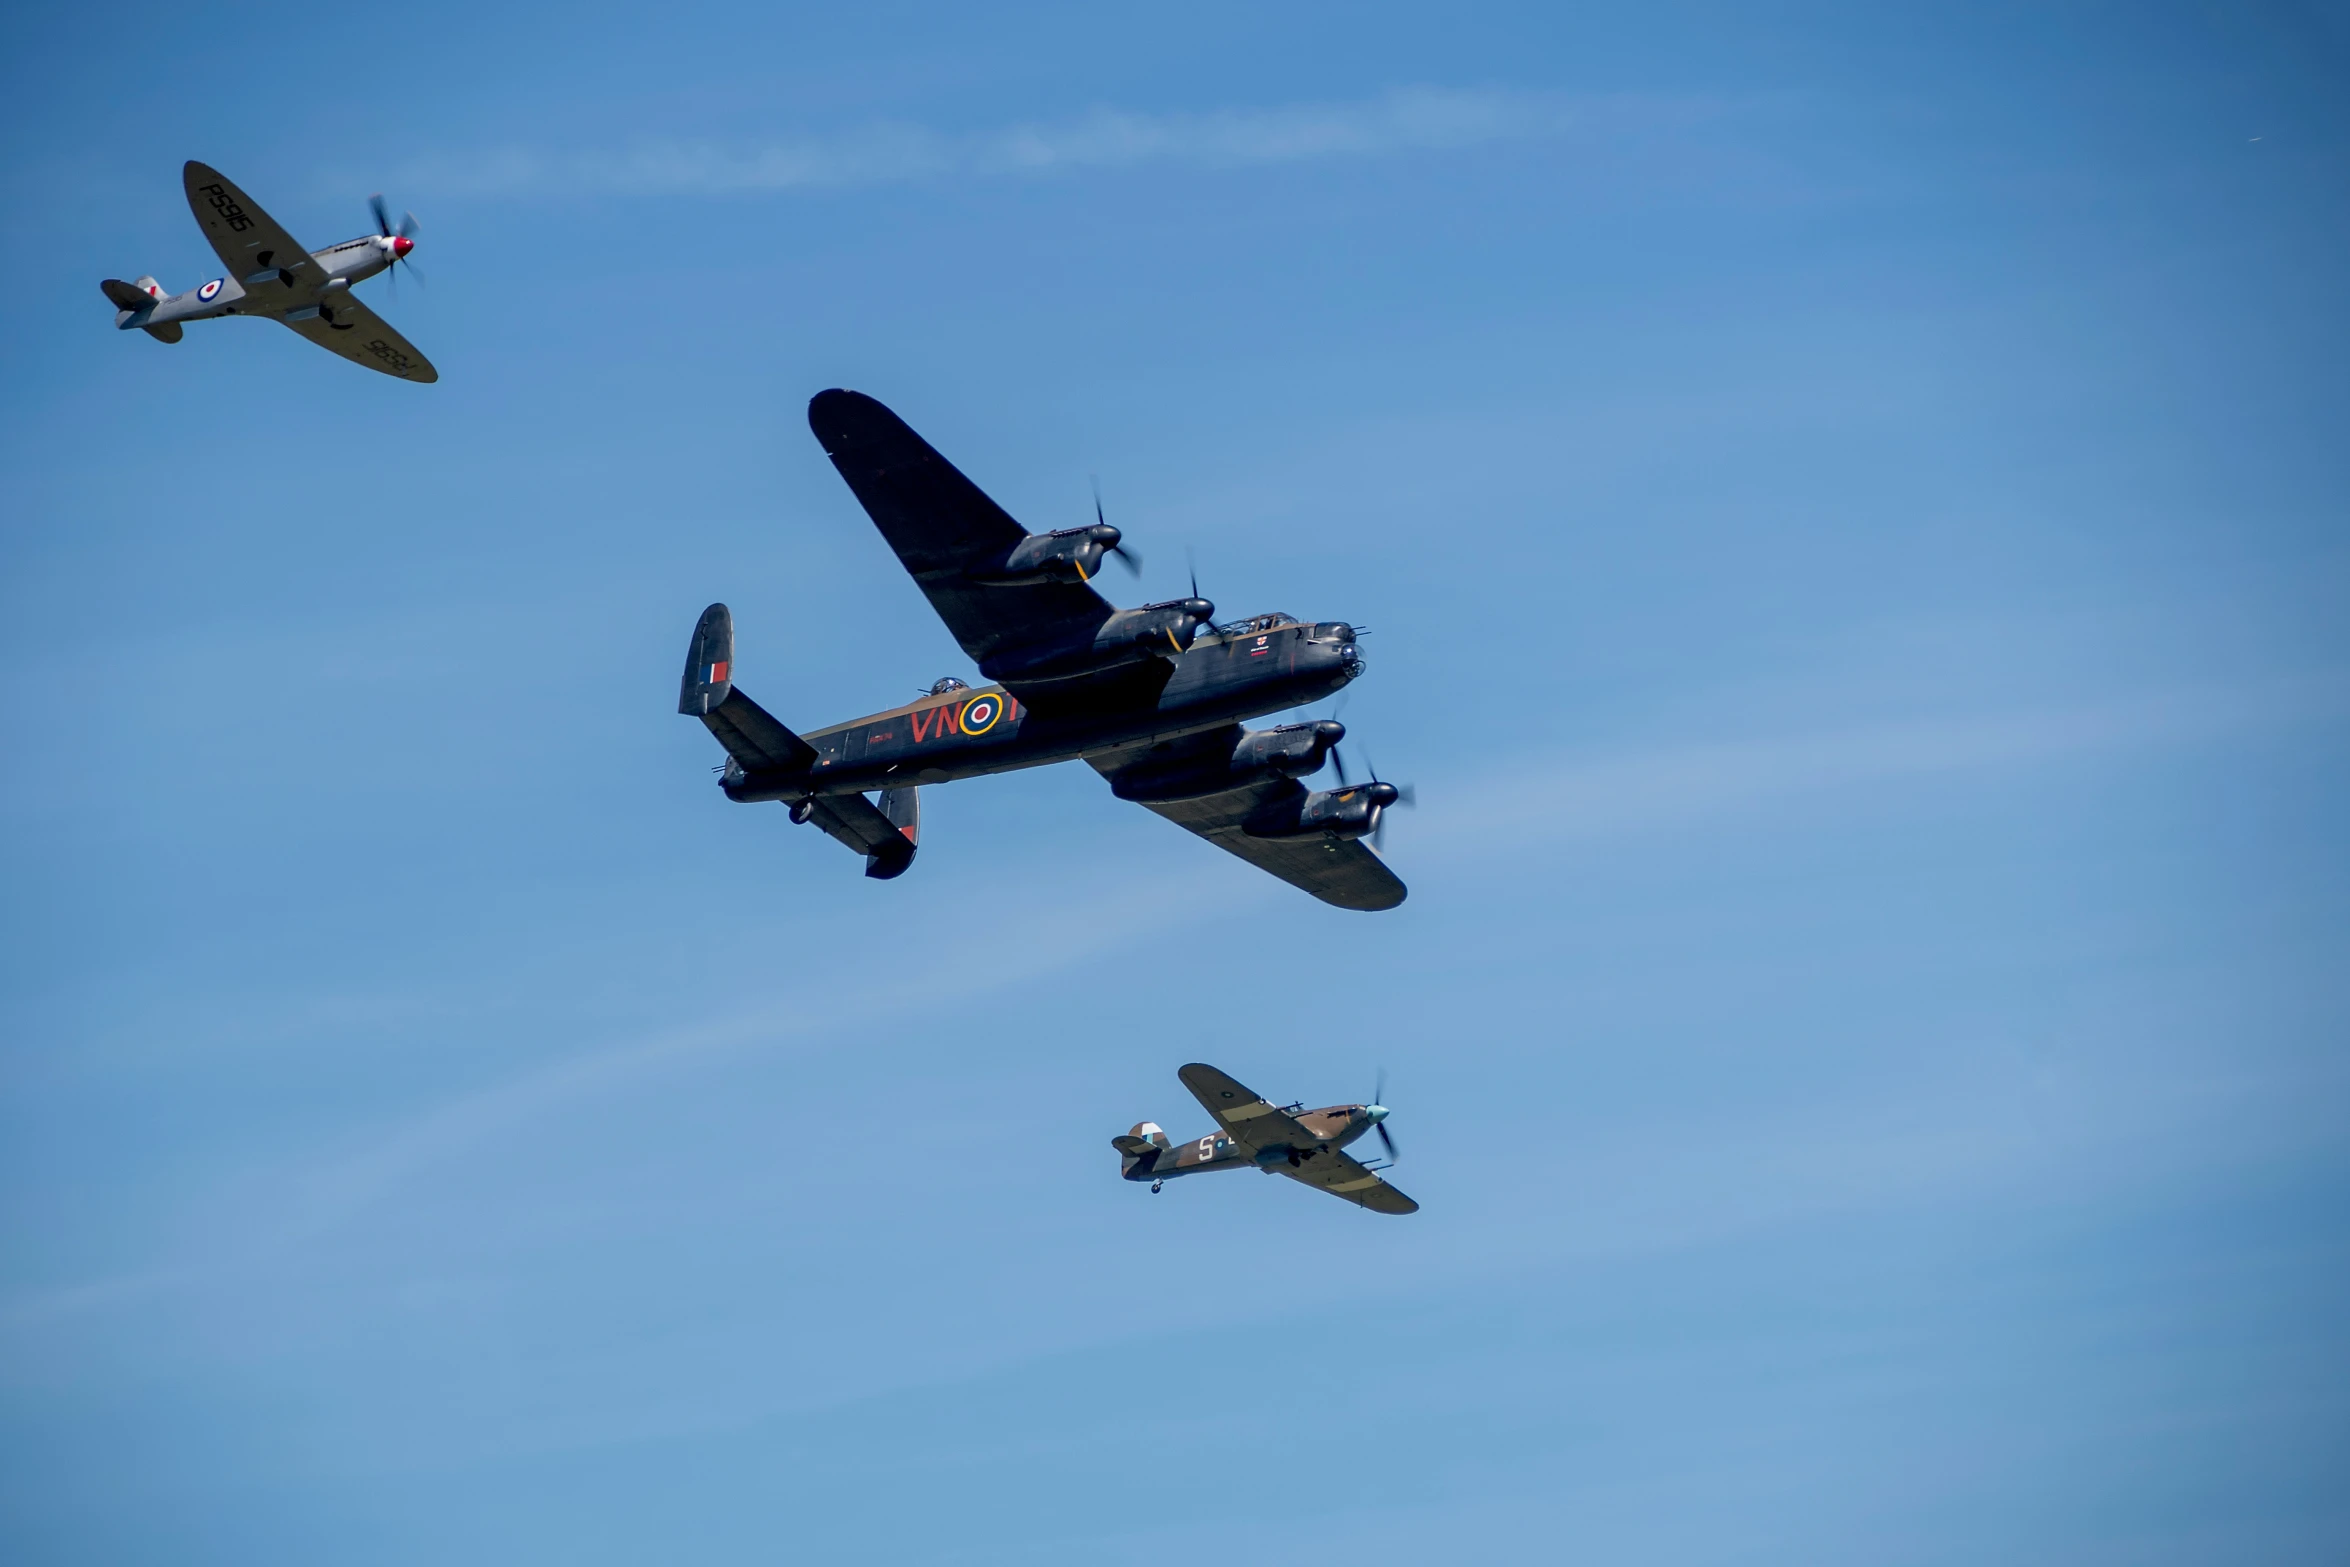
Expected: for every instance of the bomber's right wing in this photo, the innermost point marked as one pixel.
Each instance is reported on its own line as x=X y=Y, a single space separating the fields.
x=248 y=240
x=1343 y=872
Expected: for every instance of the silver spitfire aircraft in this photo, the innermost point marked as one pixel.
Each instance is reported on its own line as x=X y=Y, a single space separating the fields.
x=269 y=275
x=1308 y=1146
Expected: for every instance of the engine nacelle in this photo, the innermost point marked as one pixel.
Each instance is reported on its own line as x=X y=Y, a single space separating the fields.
x=1070 y=555
x=1128 y=637
x=1289 y=751
x=1337 y=813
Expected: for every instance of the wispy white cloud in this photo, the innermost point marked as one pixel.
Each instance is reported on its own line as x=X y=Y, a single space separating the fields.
x=1590 y=796
x=1407 y=119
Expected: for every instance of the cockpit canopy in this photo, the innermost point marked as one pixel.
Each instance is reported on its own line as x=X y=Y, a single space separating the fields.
x=1257 y=623
x=945 y=683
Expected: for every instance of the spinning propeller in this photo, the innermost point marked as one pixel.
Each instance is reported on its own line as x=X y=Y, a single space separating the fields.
x=1126 y=557
x=1378 y=1112
x=403 y=238
x=1383 y=793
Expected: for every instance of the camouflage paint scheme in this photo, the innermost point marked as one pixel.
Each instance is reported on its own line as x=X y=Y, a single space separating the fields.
x=1153 y=698
x=1252 y=1133
x=271 y=276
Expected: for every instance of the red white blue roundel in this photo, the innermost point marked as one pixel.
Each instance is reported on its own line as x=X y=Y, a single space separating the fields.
x=208 y=290
x=981 y=712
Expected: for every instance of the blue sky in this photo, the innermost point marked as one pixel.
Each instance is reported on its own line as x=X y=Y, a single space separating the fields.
x=1850 y=510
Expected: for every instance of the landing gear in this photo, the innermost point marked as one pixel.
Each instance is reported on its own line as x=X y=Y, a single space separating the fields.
x=1155 y=1185
x=800 y=812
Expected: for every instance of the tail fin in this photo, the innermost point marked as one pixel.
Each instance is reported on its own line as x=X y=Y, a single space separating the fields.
x=1145 y=1141
x=751 y=734
x=132 y=301
x=903 y=807
x=709 y=663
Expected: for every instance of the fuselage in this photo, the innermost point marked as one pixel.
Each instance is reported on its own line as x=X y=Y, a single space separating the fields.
x=1238 y=672
x=1334 y=1127
x=267 y=291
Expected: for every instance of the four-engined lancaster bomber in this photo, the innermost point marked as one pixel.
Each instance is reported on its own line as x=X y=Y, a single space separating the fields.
x=271 y=276
x=1154 y=698
x=1308 y=1146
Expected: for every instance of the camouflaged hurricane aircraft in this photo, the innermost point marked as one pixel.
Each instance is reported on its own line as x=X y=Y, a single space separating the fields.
x=271 y=276
x=1308 y=1146
x=1153 y=697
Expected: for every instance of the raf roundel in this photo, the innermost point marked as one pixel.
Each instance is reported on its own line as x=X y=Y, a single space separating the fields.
x=208 y=290
x=980 y=713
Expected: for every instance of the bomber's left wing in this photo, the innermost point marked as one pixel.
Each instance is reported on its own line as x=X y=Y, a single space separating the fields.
x=941 y=525
x=349 y=328
x=250 y=244
x=1343 y=872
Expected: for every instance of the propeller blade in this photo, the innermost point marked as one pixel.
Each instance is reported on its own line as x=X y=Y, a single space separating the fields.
x=1386 y=1137
x=1338 y=760
x=1126 y=557
x=407 y=225
x=1191 y=560
x=383 y=219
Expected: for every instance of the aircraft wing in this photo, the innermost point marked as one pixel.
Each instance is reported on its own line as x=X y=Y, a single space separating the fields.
x=1250 y=1120
x=1343 y=872
x=1242 y=1111
x=941 y=524
x=1342 y=1175
x=247 y=239
x=365 y=338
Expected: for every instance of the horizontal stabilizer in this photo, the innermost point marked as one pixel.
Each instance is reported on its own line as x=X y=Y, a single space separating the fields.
x=756 y=738
x=126 y=296
x=854 y=820
x=169 y=332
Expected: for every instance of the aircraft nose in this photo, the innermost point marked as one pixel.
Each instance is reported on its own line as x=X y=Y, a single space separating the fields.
x=402 y=244
x=1374 y=1113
